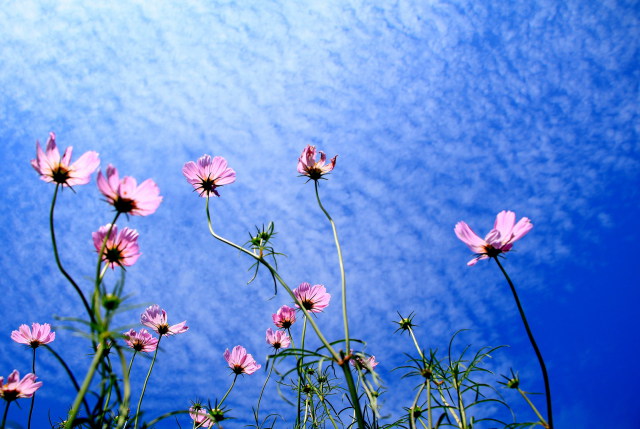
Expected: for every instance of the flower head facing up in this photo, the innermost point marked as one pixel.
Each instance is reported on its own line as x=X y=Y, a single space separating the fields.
x=208 y=174
x=499 y=240
x=16 y=388
x=200 y=417
x=278 y=339
x=307 y=165
x=284 y=317
x=240 y=361
x=34 y=337
x=313 y=298
x=141 y=341
x=156 y=318
x=121 y=248
x=55 y=169
x=126 y=196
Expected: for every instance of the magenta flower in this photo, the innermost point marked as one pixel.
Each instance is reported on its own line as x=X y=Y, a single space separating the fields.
x=314 y=298
x=308 y=166
x=156 y=318
x=278 y=339
x=120 y=249
x=126 y=196
x=240 y=361
x=53 y=168
x=368 y=363
x=16 y=388
x=34 y=337
x=141 y=341
x=285 y=317
x=200 y=416
x=208 y=174
x=499 y=240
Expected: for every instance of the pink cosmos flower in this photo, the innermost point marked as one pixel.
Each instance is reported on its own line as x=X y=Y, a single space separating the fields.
x=208 y=174
x=53 y=168
x=499 y=240
x=368 y=364
x=240 y=361
x=141 y=341
x=156 y=318
x=126 y=196
x=200 y=417
x=278 y=339
x=34 y=337
x=314 y=298
x=285 y=317
x=16 y=388
x=308 y=166
x=121 y=249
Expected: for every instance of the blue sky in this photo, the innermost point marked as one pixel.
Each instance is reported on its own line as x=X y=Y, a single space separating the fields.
x=439 y=111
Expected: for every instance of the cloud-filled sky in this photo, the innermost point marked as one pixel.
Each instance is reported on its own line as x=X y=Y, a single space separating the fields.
x=438 y=111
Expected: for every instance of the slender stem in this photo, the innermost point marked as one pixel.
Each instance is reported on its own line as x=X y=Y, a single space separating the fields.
x=146 y=380
x=85 y=385
x=262 y=392
x=429 y=417
x=301 y=368
x=99 y=272
x=33 y=398
x=228 y=391
x=342 y=273
x=131 y=362
x=461 y=408
x=124 y=404
x=315 y=327
x=69 y=373
x=412 y=419
x=533 y=343
x=533 y=407
x=57 y=256
x=415 y=342
x=4 y=416
x=354 y=394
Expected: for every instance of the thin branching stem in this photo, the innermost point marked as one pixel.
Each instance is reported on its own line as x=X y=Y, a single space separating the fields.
x=146 y=380
x=97 y=358
x=262 y=391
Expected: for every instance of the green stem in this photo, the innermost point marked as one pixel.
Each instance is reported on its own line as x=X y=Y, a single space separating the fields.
x=415 y=342
x=33 y=398
x=85 y=385
x=57 y=256
x=412 y=419
x=228 y=391
x=342 y=273
x=533 y=407
x=354 y=394
x=124 y=405
x=99 y=271
x=533 y=343
x=146 y=380
x=131 y=362
x=301 y=368
x=262 y=392
x=429 y=417
x=4 y=416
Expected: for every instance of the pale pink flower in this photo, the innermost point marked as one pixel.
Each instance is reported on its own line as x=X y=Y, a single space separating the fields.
x=368 y=363
x=200 y=416
x=240 y=361
x=314 y=298
x=121 y=248
x=284 y=317
x=156 y=318
x=208 y=174
x=499 y=240
x=34 y=337
x=16 y=388
x=308 y=166
x=56 y=169
x=141 y=341
x=278 y=339
x=126 y=196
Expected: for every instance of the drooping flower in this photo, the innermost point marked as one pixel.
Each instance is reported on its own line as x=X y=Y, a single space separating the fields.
x=308 y=166
x=199 y=415
x=240 y=361
x=278 y=339
x=16 y=388
x=314 y=298
x=126 y=196
x=368 y=363
x=499 y=240
x=156 y=318
x=121 y=249
x=208 y=174
x=284 y=317
x=34 y=337
x=141 y=341
x=56 y=169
